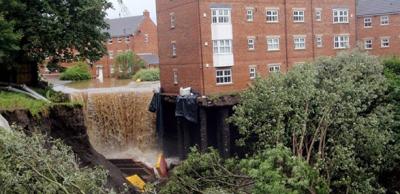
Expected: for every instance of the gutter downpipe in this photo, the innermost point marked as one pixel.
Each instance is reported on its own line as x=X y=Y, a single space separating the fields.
x=312 y=28
x=201 y=51
x=286 y=37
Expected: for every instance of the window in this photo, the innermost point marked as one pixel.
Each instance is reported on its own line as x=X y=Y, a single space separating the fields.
x=299 y=42
x=340 y=16
x=274 y=68
x=368 y=44
x=110 y=41
x=251 y=43
x=384 y=20
x=250 y=14
x=175 y=77
x=367 y=22
x=273 y=43
x=272 y=15
x=127 y=39
x=221 y=16
x=298 y=15
x=319 y=41
x=112 y=69
x=111 y=54
x=173 y=20
x=252 y=72
x=318 y=14
x=119 y=39
x=222 y=46
x=173 y=49
x=146 y=38
x=385 y=42
x=224 y=76
x=341 y=42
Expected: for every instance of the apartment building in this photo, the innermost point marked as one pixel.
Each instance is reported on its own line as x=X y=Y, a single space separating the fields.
x=378 y=26
x=220 y=46
x=137 y=34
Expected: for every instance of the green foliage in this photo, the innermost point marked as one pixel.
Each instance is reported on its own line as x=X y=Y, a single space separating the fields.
x=9 y=39
x=278 y=171
x=80 y=71
x=332 y=113
x=12 y=101
x=126 y=64
x=152 y=74
x=35 y=164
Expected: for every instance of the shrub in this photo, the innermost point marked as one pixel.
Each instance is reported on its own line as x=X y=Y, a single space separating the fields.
x=36 y=164
x=126 y=64
x=152 y=74
x=80 y=71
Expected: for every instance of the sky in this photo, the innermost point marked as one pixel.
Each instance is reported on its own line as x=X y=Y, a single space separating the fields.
x=135 y=7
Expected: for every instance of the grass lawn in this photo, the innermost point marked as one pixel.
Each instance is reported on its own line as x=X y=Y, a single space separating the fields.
x=12 y=101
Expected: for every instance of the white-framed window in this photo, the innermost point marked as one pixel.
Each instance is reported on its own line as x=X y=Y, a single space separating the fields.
x=221 y=16
x=273 y=43
x=272 y=15
x=299 y=42
x=110 y=41
x=341 y=42
x=112 y=69
x=318 y=14
x=111 y=54
x=250 y=14
x=368 y=22
x=385 y=42
x=224 y=76
x=251 y=43
x=319 y=41
x=222 y=46
x=127 y=39
x=274 y=68
x=146 y=38
x=175 y=76
x=173 y=19
x=384 y=20
x=119 y=39
x=368 y=44
x=298 y=15
x=340 y=16
x=173 y=49
x=252 y=72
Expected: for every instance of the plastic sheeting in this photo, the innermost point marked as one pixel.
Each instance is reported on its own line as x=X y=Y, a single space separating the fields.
x=187 y=107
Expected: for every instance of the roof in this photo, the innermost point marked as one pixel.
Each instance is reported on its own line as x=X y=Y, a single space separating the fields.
x=377 y=7
x=124 y=26
x=150 y=59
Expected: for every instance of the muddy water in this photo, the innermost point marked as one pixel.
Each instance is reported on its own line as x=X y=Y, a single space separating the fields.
x=120 y=125
x=94 y=83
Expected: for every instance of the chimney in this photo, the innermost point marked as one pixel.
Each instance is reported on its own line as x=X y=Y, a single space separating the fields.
x=146 y=13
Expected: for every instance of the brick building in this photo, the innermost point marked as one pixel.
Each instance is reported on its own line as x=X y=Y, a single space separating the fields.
x=378 y=26
x=220 y=46
x=137 y=33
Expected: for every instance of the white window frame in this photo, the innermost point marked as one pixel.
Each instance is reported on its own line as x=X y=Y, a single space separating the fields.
x=222 y=47
x=318 y=14
x=172 y=20
x=146 y=38
x=385 y=20
x=173 y=49
x=272 y=15
x=367 y=42
x=110 y=40
x=299 y=15
x=127 y=39
x=223 y=76
x=299 y=42
x=341 y=41
x=274 y=68
x=251 y=43
x=111 y=54
x=250 y=14
x=175 y=76
x=252 y=72
x=340 y=16
x=273 y=43
x=119 y=39
x=221 y=16
x=319 y=41
x=385 y=40
x=368 y=22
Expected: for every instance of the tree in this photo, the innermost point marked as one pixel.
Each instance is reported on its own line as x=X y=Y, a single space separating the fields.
x=331 y=113
x=126 y=64
x=36 y=164
x=55 y=30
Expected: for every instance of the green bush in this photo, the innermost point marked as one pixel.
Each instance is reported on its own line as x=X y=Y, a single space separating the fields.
x=80 y=71
x=37 y=164
x=152 y=74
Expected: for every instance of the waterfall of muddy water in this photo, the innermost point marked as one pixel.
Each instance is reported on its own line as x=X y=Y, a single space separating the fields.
x=120 y=125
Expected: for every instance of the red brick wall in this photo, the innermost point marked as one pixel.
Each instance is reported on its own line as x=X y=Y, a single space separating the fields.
x=187 y=30
x=377 y=31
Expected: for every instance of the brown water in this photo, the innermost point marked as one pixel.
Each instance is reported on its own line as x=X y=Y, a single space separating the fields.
x=120 y=125
x=94 y=83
